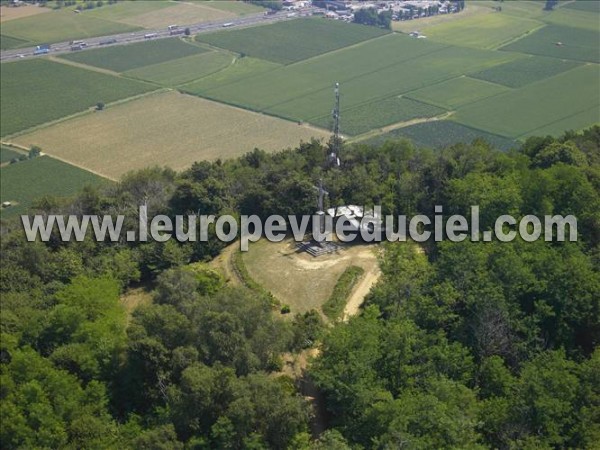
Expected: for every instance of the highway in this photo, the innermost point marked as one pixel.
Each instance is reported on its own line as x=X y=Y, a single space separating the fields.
x=140 y=36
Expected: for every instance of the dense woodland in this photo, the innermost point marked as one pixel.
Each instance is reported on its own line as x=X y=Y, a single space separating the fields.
x=466 y=345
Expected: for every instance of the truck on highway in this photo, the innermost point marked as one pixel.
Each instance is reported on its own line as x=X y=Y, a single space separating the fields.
x=228 y=24
x=42 y=49
x=107 y=42
x=150 y=35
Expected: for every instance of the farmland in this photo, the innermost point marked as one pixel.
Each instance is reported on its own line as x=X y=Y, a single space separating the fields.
x=39 y=91
x=457 y=92
x=62 y=25
x=128 y=57
x=441 y=134
x=389 y=66
x=26 y=181
x=522 y=72
x=183 y=70
x=363 y=118
x=133 y=136
x=488 y=31
x=560 y=42
x=288 y=42
x=7 y=154
x=550 y=102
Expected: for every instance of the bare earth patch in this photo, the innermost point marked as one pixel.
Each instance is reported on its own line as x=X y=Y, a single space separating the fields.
x=304 y=282
x=12 y=13
x=166 y=129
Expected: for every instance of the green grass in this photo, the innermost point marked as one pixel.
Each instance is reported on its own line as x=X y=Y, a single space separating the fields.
x=363 y=118
x=26 y=181
x=239 y=8
x=584 y=5
x=482 y=31
x=574 y=18
x=127 y=57
x=8 y=42
x=457 y=92
x=38 y=91
x=334 y=306
x=546 y=105
x=578 y=44
x=243 y=68
x=291 y=41
x=442 y=134
x=183 y=70
x=7 y=154
x=126 y=10
x=522 y=72
x=62 y=25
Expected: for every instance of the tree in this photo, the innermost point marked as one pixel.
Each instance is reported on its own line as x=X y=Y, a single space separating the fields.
x=34 y=152
x=99 y=106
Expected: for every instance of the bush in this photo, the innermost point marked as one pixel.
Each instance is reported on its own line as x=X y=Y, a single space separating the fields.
x=334 y=306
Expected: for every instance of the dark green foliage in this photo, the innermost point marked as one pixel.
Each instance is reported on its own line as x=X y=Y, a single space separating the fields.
x=460 y=345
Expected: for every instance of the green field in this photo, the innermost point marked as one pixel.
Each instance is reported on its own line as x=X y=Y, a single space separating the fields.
x=7 y=42
x=585 y=5
x=486 y=31
x=291 y=41
x=548 y=104
x=239 y=8
x=58 y=26
x=457 y=92
x=577 y=44
x=7 y=154
x=26 y=181
x=441 y=134
x=127 y=57
x=38 y=91
x=374 y=70
x=522 y=72
x=125 y=10
x=183 y=70
x=380 y=113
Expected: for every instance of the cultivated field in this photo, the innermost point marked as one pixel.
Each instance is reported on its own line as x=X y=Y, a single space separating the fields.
x=298 y=279
x=7 y=13
x=374 y=70
x=363 y=118
x=291 y=41
x=487 y=31
x=26 y=181
x=127 y=57
x=7 y=154
x=547 y=104
x=127 y=11
x=183 y=70
x=441 y=134
x=61 y=25
x=522 y=72
x=38 y=91
x=561 y=42
x=242 y=68
x=169 y=129
x=457 y=92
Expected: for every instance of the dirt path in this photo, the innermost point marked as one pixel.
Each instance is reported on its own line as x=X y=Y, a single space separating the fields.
x=224 y=263
x=357 y=297
x=395 y=126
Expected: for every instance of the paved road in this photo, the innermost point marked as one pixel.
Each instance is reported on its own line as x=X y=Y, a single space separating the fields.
x=140 y=36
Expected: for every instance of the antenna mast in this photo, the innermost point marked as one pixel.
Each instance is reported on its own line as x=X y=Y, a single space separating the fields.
x=334 y=157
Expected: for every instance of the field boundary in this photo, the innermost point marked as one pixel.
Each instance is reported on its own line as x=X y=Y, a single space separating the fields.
x=90 y=110
x=397 y=126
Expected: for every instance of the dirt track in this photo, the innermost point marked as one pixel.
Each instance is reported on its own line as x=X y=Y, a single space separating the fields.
x=360 y=291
